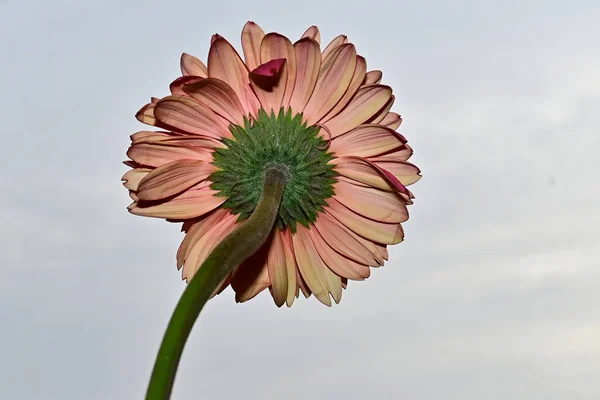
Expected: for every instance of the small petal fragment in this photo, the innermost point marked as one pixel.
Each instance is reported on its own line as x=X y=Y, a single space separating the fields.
x=173 y=178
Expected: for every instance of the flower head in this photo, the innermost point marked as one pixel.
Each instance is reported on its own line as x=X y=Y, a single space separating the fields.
x=319 y=115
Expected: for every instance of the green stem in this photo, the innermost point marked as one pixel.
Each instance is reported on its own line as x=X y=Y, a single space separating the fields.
x=235 y=248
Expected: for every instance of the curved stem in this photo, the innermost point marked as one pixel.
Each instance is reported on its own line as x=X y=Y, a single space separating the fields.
x=235 y=248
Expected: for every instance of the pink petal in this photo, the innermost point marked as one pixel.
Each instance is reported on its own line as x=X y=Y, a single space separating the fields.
x=367 y=102
x=173 y=178
x=366 y=141
x=313 y=33
x=252 y=35
x=209 y=234
x=225 y=64
x=339 y=264
x=171 y=139
x=357 y=78
x=401 y=154
x=195 y=229
x=405 y=172
x=334 y=44
x=132 y=178
x=281 y=266
x=146 y=114
x=308 y=63
x=302 y=285
x=176 y=86
x=219 y=97
x=188 y=115
x=383 y=252
x=160 y=153
x=381 y=114
x=318 y=277
x=372 y=230
x=375 y=204
x=252 y=276
x=392 y=121
x=334 y=79
x=345 y=242
x=273 y=47
x=192 y=66
x=362 y=170
x=373 y=77
x=189 y=204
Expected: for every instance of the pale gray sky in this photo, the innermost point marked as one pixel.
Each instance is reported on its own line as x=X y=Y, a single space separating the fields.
x=495 y=294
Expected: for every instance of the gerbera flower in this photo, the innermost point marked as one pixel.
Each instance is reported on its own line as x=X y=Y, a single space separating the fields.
x=317 y=112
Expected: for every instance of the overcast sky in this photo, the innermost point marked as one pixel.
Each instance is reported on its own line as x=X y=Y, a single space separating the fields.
x=495 y=293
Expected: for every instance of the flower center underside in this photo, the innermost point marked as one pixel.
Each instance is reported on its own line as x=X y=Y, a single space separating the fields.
x=281 y=140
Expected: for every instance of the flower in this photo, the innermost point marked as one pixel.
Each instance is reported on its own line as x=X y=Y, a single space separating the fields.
x=319 y=113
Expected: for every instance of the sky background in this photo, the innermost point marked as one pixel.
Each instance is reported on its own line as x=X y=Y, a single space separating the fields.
x=495 y=293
